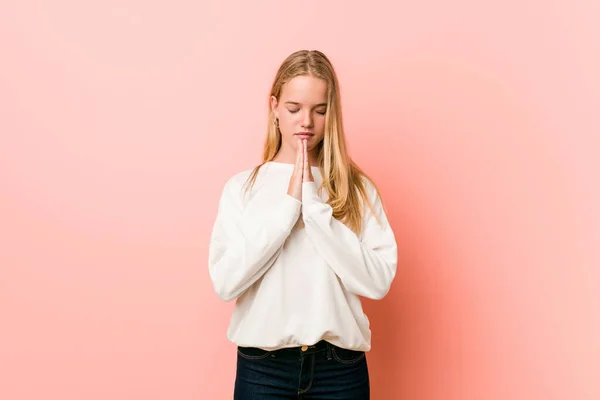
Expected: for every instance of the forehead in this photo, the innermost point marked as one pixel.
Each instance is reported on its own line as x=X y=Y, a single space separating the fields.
x=305 y=89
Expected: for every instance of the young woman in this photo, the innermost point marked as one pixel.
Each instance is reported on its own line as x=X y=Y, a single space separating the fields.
x=296 y=242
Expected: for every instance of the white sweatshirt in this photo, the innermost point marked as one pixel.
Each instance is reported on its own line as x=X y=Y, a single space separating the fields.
x=296 y=272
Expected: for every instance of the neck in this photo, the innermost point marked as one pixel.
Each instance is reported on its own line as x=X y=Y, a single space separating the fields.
x=288 y=155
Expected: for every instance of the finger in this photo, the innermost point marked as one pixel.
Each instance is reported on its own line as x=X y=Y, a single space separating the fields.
x=304 y=152
x=299 y=158
x=306 y=169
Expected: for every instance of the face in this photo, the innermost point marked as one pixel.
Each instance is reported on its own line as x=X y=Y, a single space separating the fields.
x=301 y=111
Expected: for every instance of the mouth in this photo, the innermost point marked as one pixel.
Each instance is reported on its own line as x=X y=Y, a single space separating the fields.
x=304 y=135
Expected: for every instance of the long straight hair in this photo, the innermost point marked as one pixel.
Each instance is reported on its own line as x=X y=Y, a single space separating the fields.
x=343 y=180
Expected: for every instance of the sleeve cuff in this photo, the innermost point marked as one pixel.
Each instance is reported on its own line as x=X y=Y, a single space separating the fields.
x=289 y=211
x=310 y=193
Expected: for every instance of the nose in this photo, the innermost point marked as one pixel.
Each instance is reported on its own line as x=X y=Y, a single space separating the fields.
x=307 y=119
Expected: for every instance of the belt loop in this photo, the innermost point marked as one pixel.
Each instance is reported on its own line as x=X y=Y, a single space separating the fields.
x=328 y=351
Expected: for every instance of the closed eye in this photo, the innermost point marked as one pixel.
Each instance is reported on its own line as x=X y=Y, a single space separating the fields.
x=318 y=112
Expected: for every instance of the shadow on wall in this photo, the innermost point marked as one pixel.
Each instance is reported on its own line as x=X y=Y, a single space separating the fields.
x=391 y=323
x=414 y=343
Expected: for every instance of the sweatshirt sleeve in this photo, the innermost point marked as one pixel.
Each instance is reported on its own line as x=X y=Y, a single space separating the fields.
x=244 y=246
x=366 y=263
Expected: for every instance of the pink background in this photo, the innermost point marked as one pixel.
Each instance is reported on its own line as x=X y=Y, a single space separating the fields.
x=121 y=120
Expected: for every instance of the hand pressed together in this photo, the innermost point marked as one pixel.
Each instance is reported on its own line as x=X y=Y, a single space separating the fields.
x=302 y=171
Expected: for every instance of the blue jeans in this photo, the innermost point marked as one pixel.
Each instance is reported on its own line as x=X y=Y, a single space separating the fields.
x=322 y=371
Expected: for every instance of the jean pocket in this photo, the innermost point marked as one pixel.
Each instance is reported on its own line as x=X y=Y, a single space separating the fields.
x=253 y=353
x=346 y=356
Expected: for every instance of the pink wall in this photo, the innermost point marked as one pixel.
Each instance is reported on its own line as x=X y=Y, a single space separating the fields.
x=478 y=120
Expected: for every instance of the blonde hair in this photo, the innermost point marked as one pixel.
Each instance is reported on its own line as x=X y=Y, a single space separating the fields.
x=343 y=180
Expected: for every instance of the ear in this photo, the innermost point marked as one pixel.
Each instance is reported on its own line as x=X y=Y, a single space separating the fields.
x=274 y=106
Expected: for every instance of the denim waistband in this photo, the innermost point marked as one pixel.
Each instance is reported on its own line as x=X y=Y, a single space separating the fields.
x=315 y=348
x=320 y=349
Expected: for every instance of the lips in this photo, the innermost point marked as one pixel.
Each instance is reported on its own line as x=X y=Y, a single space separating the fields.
x=305 y=134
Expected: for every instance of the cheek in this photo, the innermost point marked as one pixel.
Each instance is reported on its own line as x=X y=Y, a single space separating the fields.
x=322 y=120
x=320 y=131
x=286 y=120
x=288 y=125
x=286 y=128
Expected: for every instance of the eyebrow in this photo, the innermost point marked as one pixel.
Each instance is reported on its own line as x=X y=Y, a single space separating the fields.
x=297 y=104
